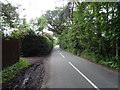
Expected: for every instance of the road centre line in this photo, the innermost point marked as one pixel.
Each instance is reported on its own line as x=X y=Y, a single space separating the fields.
x=61 y=54
x=84 y=76
x=81 y=73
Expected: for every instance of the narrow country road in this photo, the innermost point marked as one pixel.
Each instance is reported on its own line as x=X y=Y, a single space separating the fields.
x=69 y=71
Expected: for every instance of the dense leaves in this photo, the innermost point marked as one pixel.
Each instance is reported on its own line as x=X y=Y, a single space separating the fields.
x=10 y=72
x=32 y=42
x=95 y=32
x=89 y=29
x=34 y=45
x=9 y=16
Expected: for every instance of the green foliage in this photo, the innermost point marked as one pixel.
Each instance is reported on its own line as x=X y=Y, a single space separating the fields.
x=20 y=34
x=33 y=45
x=56 y=19
x=39 y=23
x=10 y=72
x=9 y=17
x=94 y=32
x=110 y=62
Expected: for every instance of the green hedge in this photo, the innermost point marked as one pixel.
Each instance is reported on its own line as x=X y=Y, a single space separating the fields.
x=33 y=45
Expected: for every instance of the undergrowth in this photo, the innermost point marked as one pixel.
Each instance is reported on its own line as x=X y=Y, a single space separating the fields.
x=10 y=72
x=111 y=62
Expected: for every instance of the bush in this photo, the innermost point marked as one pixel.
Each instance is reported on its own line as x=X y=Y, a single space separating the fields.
x=33 y=45
x=10 y=72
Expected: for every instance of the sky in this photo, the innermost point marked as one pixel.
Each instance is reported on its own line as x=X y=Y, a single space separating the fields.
x=35 y=8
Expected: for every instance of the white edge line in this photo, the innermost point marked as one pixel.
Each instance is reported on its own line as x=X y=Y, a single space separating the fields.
x=84 y=76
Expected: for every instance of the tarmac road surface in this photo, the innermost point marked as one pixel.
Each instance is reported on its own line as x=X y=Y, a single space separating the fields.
x=70 y=71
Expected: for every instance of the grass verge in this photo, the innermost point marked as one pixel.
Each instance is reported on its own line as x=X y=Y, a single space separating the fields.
x=10 y=72
x=111 y=62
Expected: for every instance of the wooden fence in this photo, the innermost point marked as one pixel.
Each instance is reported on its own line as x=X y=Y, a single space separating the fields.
x=10 y=52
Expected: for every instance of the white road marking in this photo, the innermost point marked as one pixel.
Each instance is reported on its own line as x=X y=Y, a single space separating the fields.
x=84 y=76
x=81 y=73
x=62 y=55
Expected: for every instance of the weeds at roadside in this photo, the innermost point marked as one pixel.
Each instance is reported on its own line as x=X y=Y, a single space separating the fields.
x=10 y=72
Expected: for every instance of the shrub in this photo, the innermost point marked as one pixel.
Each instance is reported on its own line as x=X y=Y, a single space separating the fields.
x=33 y=45
x=10 y=72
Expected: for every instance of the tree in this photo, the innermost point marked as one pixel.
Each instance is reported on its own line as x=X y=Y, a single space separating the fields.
x=53 y=20
x=59 y=18
x=38 y=24
x=94 y=31
x=9 y=17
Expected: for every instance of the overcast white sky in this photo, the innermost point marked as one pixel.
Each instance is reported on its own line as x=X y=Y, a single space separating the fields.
x=35 y=8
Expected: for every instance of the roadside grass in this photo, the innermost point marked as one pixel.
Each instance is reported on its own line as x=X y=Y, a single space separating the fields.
x=111 y=62
x=10 y=72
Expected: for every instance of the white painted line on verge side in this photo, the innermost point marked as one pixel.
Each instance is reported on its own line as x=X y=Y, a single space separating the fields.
x=84 y=76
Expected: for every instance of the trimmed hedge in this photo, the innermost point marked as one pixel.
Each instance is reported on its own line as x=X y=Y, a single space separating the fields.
x=33 y=45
